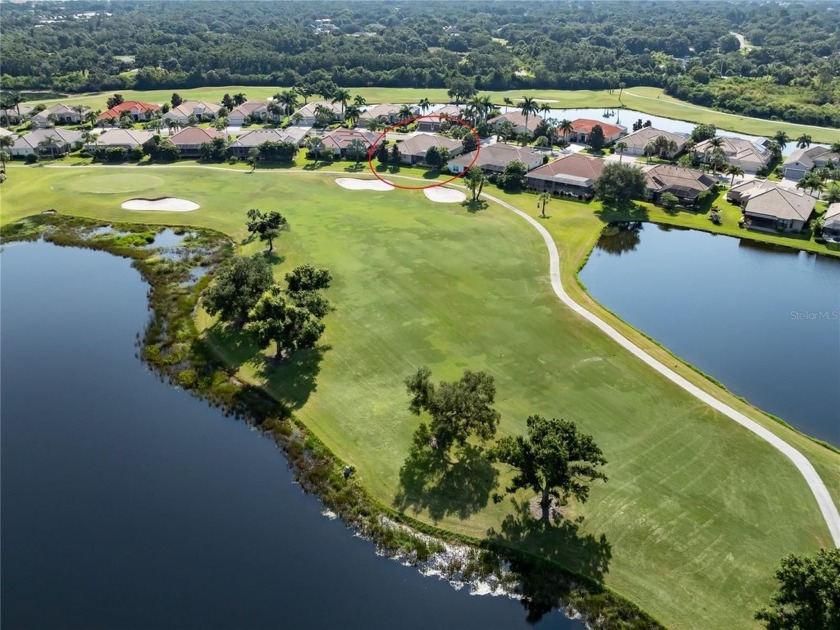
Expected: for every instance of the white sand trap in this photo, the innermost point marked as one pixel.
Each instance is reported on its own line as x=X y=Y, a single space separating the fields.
x=166 y=204
x=351 y=183
x=444 y=195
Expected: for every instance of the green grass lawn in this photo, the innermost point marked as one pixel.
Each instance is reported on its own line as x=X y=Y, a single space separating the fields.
x=697 y=511
x=644 y=99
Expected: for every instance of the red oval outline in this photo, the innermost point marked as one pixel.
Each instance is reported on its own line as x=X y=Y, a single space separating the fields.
x=375 y=145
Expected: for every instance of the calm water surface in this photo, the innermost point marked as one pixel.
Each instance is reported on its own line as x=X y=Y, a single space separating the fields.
x=764 y=322
x=129 y=504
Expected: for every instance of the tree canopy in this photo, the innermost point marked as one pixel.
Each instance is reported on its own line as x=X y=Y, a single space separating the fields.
x=458 y=409
x=620 y=183
x=237 y=287
x=809 y=593
x=267 y=226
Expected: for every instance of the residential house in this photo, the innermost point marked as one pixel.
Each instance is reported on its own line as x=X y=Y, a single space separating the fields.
x=831 y=222
x=63 y=141
x=573 y=174
x=137 y=110
x=305 y=116
x=517 y=119
x=338 y=141
x=121 y=138
x=200 y=109
x=65 y=115
x=742 y=191
x=778 y=209
x=386 y=112
x=582 y=129
x=190 y=139
x=750 y=155
x=801 y=161
x=493 y=158
x=242 y=145
x=686 y=184
x=432 y=125
x=248 y=111
x=638 y=140
x=5 y=133
x=413 y=150
x=11 y=116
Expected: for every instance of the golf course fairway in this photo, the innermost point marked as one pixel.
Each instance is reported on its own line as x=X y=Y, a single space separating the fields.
x=697 y=511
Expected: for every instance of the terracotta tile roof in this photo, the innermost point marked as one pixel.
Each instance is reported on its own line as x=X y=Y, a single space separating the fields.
x=195 y=135
x=126 y=107
x=586 y=125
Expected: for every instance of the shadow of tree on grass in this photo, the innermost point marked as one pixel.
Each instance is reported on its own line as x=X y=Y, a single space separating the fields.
x=294 y=380
x=547 y=546
x=429 y=481
x=474 y=205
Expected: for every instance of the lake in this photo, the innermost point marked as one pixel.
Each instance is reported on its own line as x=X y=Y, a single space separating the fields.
x=763 y=321
x=127 y=503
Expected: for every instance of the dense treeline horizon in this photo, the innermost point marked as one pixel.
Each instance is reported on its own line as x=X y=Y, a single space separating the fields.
x=790 y=72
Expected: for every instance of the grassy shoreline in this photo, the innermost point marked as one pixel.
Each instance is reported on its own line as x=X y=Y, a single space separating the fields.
x=648 y=100
x=549 y=356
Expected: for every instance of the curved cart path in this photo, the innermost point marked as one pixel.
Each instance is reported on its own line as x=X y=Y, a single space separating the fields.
x=818 y=488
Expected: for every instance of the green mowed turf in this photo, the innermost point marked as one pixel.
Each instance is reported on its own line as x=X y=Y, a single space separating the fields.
x=697 y=511
x=644 y=99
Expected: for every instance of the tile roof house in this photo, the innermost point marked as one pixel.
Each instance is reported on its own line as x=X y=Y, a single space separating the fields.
x=572 y=174
x=742 y=191
x=750 y=155
x=831 y=222
x=190 y=139
x=200 y=109
x=386 y=112
x=582 y=129
x=251 y=139
x=686 y=184
x=122 y=138
x=517 y=119
x=493 y=158
x=413 y=150
x=253 y=110
x=306 y=114
x=65 y=114
x=638 y=140
x=778 y=209
x=136 y=109
x=6 y=133
x=338 y=141
x=28 y=144
x=432 y=125
x=11 y=116
x=801 y=161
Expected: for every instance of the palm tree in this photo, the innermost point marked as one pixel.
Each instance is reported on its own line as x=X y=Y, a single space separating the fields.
x=316 y=147
x=406 y=112
x=528 y=106
x=359 y=101
x=341 y=96
x=4 y=157
x=811 y=182
x=542 y=200
x=357 y=149
x=545 y=109
x=621 y=87
x=80 y=110
x=803 y=141
x=238 y=99
x=507 y=102
x=91 y=117
x=155 y=124
x=835 y=147
x=351 y=115
x=565 y=127
x=50 y=143
x=288 y=99
x=716 y=142
x=781 y=139
x=734 y=170
x=832 y=195
x=374 y=124
x=254 y=158
x=718 y=159
x=620 y=148
x=424 y=105
x=304 y=91
x=650 y=149
x=274 y=109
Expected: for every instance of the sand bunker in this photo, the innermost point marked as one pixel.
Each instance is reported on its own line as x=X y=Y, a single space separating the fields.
x=444 y=195
x=166 y=204
x=351 y=183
